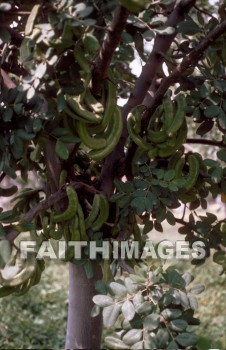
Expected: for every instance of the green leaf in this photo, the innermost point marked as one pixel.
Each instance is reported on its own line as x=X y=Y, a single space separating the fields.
x=101 y=287
x=205 y=127
x=82 y=10
x=132 y=336
x=172 y=346
x=37 y=125
x=58 y=132
x=174 y=279
x=96 y=310
x=211 y=163
x=61 y=103
x=2 y=232
x=88 y=266
x=131 y=286
x=166 y=299
x=171 y=314
x=61 y=150
x=178 y=325
x=70 y=139
x=138 y=204
x=103 y=300
x=118 y=289
x=170 y=218
x=90 y=42
x=159 y=173
x=169 y=175
x=211 y=217
x=212 y=111
x=138 y=346
x=148 y=35
x=219 y=258
x=133 y=5
x=128 y=310
x=162 y=338
x=156 y=21
x=7 y=114
x=115 y=343
x=173 y=187
x=17 y=147
x=151 y=322
x=188 y=27
x=158 y=227
x=144 y=308
x=149 y=341
x=222 y=155
x=141 y=184
x=4 y=36
x=148 y=227
x=188 y=278
x=198 y=289
x=193 y=301
x=217 y=175
x=186 y=339
x=18 y=108
x=160 y=215
x=138 y=300
x=184 y=301
x=127 y=187
x=10 y=171
x=24 y=135
x=203 y=227
x=184 y=230
x=111 y=314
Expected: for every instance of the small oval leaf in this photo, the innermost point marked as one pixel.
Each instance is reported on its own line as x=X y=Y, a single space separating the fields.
x=103 y=300
x=128 y=310
x=61 y=150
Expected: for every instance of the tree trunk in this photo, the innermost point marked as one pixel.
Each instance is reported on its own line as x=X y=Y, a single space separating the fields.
x=83 y=331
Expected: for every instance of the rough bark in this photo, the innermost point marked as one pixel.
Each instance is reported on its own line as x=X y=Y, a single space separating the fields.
x=83 y=331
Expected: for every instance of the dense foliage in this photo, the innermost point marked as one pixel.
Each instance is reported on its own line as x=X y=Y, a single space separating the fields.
x=107 y=173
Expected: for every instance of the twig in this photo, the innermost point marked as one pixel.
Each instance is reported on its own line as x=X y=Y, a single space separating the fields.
x=204 y=11
x=207 y=142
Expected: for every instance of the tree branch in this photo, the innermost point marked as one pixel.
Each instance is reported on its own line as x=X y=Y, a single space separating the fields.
x=190 y=60
x=56 y=197
x=102 y=62
x=161 y=46
x=220 y=144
